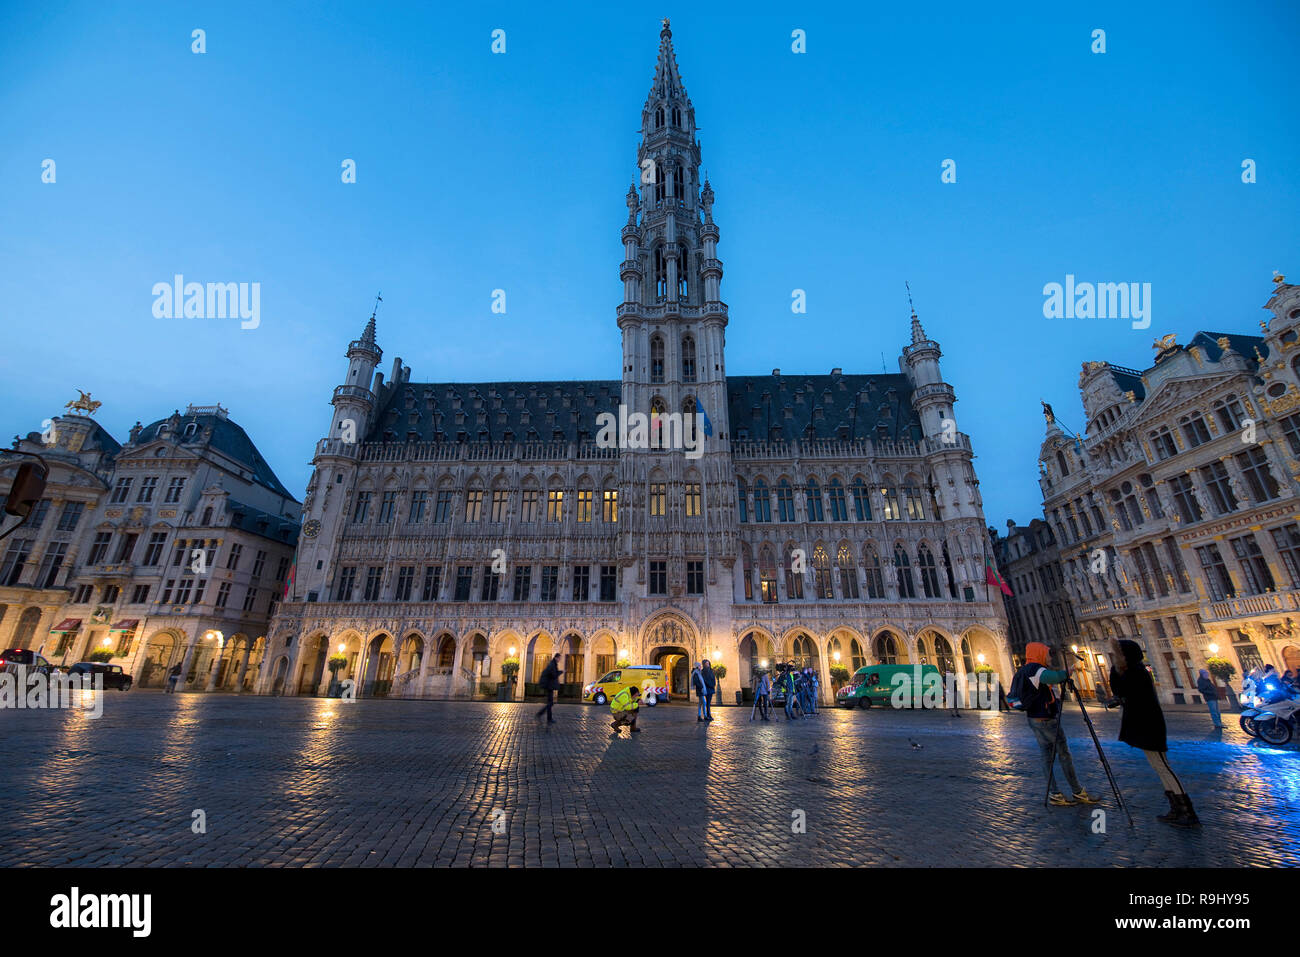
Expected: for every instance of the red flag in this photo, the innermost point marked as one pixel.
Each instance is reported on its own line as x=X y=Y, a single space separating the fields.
x=993 y=578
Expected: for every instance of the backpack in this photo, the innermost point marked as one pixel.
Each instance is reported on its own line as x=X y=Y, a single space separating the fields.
x=1018 y=692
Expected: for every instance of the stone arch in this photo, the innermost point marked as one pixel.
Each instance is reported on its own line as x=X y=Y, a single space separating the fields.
x=164 y=648
x=538 y=652
x=313 y=658
x=379 y=665
x=889 y=646
x=756 y=652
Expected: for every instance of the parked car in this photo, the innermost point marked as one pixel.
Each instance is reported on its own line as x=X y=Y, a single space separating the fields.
x=23 y=659
x=114 y=676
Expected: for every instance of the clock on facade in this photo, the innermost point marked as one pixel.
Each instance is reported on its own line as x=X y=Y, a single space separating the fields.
x=311 y=529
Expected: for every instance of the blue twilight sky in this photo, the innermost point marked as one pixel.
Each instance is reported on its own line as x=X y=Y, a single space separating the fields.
x=478 y=171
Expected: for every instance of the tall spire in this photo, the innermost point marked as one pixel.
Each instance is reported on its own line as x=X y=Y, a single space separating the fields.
x=918 y=334
x=668 y=80
x=368 y=334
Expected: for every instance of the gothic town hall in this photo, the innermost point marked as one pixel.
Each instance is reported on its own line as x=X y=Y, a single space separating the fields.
x=829 y=519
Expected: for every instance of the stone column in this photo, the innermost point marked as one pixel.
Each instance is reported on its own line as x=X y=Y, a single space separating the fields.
x=186 y=662
x=243 y=666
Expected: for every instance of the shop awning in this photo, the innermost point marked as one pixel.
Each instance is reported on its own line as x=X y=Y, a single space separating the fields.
x=67 y=626
x=126 y=624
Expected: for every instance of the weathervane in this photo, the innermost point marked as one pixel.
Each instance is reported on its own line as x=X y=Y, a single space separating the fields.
x=909 y=298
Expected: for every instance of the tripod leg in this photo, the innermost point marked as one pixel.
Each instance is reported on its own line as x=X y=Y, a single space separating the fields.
x=1110 y=775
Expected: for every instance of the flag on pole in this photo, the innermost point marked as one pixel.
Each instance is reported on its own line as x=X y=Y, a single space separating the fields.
x=293 y=572
x=704 y=417
x=993 y=578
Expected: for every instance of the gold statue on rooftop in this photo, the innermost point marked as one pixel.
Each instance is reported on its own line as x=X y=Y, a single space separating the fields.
x=83 y=404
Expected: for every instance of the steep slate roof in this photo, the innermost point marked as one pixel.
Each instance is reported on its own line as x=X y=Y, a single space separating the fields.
x=227 y=438
x=250 y=519
x=835 y=406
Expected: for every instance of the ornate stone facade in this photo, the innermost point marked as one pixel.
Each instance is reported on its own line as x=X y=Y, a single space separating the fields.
x=1176 y=511
x=170 y=549
x=449 y=527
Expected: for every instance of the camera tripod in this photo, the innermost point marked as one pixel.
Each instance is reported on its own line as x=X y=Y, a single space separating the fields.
x=1067 y=687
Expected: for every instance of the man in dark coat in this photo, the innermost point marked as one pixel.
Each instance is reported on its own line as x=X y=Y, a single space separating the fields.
x=1142 y=725
x=550 y=682
x=710 y=684
x=1205 y=685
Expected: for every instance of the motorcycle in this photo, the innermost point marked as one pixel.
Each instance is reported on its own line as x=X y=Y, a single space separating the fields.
x=1276 y=723
x=1260 y=710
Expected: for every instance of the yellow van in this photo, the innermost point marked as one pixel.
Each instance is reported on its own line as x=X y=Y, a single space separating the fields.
x=651 y=679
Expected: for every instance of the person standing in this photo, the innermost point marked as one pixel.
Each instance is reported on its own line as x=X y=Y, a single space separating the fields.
x=1034 y=681
x=789 y=688
x=701 y=694
x=173 y=676
x=550 y=683
x=1205 y=685
x=710 y=685
x=814 y=686
x=1142 y=726
x=763 y=695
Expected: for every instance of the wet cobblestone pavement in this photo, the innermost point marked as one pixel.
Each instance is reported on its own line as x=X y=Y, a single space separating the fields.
x=313 y=782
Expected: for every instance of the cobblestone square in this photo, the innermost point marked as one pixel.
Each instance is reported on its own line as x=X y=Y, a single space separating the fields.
x=317 y=782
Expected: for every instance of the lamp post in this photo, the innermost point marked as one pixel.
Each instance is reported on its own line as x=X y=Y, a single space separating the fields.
x=215 y=666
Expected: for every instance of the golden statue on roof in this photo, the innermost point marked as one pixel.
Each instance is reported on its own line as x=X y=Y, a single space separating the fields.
x=83 y=404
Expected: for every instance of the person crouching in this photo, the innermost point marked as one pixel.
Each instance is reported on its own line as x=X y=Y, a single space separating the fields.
x=624 y=707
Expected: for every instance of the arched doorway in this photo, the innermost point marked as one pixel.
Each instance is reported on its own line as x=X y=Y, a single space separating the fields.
x=157 y=660
x=1291 y=659
x=281 y=668
x=755 y=656
x=380 y=663
x=316 y=652
x=889 y=649
x=25 y=631
x=669 y=644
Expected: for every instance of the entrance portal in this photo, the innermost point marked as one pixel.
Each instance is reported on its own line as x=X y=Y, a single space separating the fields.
x=676 y=662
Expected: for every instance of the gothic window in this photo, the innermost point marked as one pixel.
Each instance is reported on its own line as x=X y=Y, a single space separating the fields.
x=793 y=579
x=848 y=572
x=861 y=501
x=742 y=507
x=886 y=649
x=875 y=580
x=762 y=502
x=747 y=566
x=839 y=510
x=679 y=185
x=814 y=499
x=943 y=655
x=688 y=360
x=661 y=269
x=767 y=572
x=805 y=652
x=822 y=573
x=677 y=117
x=656 y=359
x=947 y=567
x=659 y=117
x=889 y=495
x=929 y=572
x=785 y=501
x=906 y=583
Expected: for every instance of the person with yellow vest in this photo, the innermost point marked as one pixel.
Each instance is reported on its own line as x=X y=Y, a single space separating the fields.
x=624 y=707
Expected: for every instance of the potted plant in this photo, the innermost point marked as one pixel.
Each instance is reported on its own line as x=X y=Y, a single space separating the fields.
x=719 y=672
x=335 y=664
x=100 y=654
x=509 y=671
x=1223 y=670
x=839 y=677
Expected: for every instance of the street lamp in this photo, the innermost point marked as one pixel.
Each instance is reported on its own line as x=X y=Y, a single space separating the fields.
x=512 y=651
x=1214 y=649
x=835 y=655
x=343 y=646
x=980 y=657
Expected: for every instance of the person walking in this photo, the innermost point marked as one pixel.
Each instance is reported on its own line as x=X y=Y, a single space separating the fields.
x=701 y=692
x=550 y=683
x=1205 y=685
x=710 y=685
x=1142 y=726
x=173 y=676
x=1034 y=681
